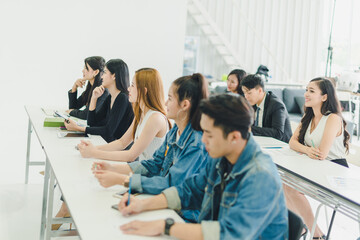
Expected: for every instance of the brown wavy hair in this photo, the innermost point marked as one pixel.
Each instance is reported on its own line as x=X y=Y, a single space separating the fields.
x=150 y=91
x=331 y=105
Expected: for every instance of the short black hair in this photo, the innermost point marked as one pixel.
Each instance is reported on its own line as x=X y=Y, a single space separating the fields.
x=230 y=112
x=253 y=81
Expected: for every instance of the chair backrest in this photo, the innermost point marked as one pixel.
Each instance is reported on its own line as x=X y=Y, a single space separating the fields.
x=296 y=226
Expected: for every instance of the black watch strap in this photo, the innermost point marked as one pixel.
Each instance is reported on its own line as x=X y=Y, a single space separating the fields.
x=168 y=224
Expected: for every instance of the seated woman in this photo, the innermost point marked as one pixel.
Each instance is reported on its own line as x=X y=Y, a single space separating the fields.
x=234 y=81
x=180 y=156
x=116 y=110
x=148 y=128
x=93 y=68
x=322 y=111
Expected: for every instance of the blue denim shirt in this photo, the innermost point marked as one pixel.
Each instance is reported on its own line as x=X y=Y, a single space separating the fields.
x=173 y=162
x=252 y=205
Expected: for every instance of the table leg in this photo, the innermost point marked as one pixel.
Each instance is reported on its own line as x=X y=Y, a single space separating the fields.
x=50 y=204
x=28 y=152
x=331 y=223
x=326 y=217
x=45 y=196
x=315 y=221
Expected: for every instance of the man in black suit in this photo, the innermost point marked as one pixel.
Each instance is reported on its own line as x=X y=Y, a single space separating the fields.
x=271 y=116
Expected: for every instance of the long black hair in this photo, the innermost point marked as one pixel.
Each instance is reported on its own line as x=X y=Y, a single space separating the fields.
x=331 y=105
x=96 y=63
x=194 y=88
x=240 y=75
x=121 y=71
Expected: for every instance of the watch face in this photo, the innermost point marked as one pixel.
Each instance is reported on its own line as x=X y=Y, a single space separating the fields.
x=169 y=221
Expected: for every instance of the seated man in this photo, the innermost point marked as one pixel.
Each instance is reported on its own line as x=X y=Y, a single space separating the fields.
x=271 y=116
x=239 y=193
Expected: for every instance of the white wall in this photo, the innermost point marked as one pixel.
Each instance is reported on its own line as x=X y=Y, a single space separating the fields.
x=281 y=34
x=43 y=44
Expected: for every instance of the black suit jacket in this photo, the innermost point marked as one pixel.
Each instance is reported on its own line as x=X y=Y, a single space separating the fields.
x=275 y=122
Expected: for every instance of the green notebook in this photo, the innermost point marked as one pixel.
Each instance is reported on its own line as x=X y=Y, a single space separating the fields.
x=54 y=122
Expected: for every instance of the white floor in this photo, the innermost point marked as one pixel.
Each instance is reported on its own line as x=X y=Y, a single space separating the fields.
x=20 y=210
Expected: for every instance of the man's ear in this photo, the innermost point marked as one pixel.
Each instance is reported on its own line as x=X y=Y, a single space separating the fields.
x=234 y=137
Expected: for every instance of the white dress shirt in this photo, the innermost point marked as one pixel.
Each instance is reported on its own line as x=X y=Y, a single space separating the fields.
x=261 y=111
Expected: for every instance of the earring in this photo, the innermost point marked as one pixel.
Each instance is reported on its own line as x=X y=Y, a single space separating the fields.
x=233 y=142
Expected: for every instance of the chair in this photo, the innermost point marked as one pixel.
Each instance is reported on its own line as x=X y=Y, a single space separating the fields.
x=296 y=226
x=347 y=111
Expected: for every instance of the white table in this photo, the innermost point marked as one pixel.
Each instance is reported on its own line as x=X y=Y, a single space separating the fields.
x=311 y=177
x=88 y=202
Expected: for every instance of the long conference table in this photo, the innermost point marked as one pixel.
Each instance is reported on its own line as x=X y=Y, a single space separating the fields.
x=329 y=183
x=88 y=202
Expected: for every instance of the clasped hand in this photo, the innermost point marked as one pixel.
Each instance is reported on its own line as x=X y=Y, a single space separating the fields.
x=315 y=153
x=86 y=149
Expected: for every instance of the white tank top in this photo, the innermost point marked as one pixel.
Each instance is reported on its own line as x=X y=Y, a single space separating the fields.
x=155 y=143
x=337 y=149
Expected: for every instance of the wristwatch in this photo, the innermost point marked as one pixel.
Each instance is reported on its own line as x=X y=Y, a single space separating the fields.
x=168 y=224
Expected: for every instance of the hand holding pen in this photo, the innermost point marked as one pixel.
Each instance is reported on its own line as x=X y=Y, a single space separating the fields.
x=136 y=205
x=313 y=152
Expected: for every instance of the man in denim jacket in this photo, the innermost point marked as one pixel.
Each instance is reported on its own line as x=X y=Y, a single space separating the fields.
x=239 y=192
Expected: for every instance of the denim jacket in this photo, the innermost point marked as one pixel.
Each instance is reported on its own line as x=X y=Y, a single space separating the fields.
x=252 y=205
x=173 y=162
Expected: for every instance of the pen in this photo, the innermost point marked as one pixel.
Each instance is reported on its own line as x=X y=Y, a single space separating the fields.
x=272 y=147
x=130 y=176
x=312 y=142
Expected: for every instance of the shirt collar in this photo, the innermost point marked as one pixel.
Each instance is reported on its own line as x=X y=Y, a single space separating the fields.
x=242 y=164
x=261 y=105
x=185 y=135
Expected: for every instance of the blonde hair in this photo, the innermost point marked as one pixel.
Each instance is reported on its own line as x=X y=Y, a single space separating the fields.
x=150 y=91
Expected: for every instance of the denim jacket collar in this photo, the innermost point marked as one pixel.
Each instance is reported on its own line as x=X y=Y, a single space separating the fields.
x=184 y=137
x=242 y=163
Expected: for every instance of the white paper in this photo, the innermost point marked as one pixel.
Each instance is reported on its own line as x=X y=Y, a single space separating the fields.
x=344 y=183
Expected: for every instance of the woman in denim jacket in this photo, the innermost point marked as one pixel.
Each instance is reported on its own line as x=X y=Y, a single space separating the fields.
x=180 y=156
x=239 y=192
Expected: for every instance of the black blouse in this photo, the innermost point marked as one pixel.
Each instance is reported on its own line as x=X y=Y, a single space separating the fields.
x=117 y=119
x=76 y=103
